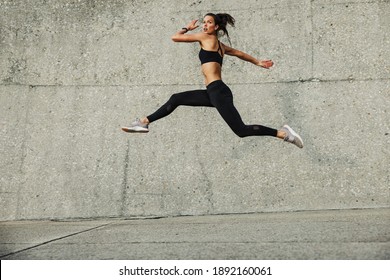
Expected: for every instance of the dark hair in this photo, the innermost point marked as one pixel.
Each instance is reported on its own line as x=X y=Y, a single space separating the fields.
x=222 y=20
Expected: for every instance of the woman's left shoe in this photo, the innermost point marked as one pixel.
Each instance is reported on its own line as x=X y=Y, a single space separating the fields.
x=292 y=137
x=137 y=126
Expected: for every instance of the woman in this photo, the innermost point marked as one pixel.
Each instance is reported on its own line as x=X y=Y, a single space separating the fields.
x=217 y=94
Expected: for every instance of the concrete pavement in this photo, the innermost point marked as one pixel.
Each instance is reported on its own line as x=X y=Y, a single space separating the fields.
x=332 y=234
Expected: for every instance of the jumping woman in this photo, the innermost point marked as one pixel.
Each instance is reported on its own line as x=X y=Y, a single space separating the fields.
x=217 y=94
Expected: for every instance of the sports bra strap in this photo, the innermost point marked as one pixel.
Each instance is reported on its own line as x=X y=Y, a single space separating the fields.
x=211 y=56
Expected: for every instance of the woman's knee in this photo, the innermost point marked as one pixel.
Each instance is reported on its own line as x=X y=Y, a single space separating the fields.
x=174 y=101
x=240 y=134
x=240 y=131
x=174 y=98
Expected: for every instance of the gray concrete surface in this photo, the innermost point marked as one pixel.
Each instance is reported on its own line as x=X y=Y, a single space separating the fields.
x=339 y=234
x=73 y=72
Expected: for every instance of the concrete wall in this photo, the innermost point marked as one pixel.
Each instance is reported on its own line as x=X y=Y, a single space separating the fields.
x=72 y=72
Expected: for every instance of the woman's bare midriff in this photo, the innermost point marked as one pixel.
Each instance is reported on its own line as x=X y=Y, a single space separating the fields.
x=211 y=72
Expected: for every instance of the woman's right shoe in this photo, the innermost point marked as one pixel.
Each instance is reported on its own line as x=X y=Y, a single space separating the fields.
x=136 y=126
x=292 y=137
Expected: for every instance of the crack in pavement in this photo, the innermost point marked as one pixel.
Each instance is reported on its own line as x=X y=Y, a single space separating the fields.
x=54 y=240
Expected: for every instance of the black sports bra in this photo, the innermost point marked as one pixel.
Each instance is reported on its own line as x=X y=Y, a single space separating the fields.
x=211 y=56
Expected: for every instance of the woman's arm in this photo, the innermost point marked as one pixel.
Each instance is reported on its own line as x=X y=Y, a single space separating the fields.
x=181 y=35
x=246 y=57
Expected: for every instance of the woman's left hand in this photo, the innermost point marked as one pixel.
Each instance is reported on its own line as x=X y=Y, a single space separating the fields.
x=265 y=63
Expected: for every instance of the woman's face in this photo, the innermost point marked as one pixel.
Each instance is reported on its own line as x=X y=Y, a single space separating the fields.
x=209 y=26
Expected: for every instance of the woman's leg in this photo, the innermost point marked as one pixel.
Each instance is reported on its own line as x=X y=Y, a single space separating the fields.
x=187 y=98
x=217 y=95
x=222 y=99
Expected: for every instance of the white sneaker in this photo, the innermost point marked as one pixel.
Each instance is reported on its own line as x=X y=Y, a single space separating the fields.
x=292 y=136
x=136 y=126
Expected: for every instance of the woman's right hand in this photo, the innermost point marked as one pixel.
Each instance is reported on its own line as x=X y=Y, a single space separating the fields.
x=192 y=25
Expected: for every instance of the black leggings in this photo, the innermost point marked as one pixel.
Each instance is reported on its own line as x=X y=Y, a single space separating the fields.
x=217 y=95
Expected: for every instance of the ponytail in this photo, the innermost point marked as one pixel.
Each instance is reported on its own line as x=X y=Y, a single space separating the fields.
x=222 y=20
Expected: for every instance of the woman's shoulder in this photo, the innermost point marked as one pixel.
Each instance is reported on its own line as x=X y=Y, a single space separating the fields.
x=210 y=42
